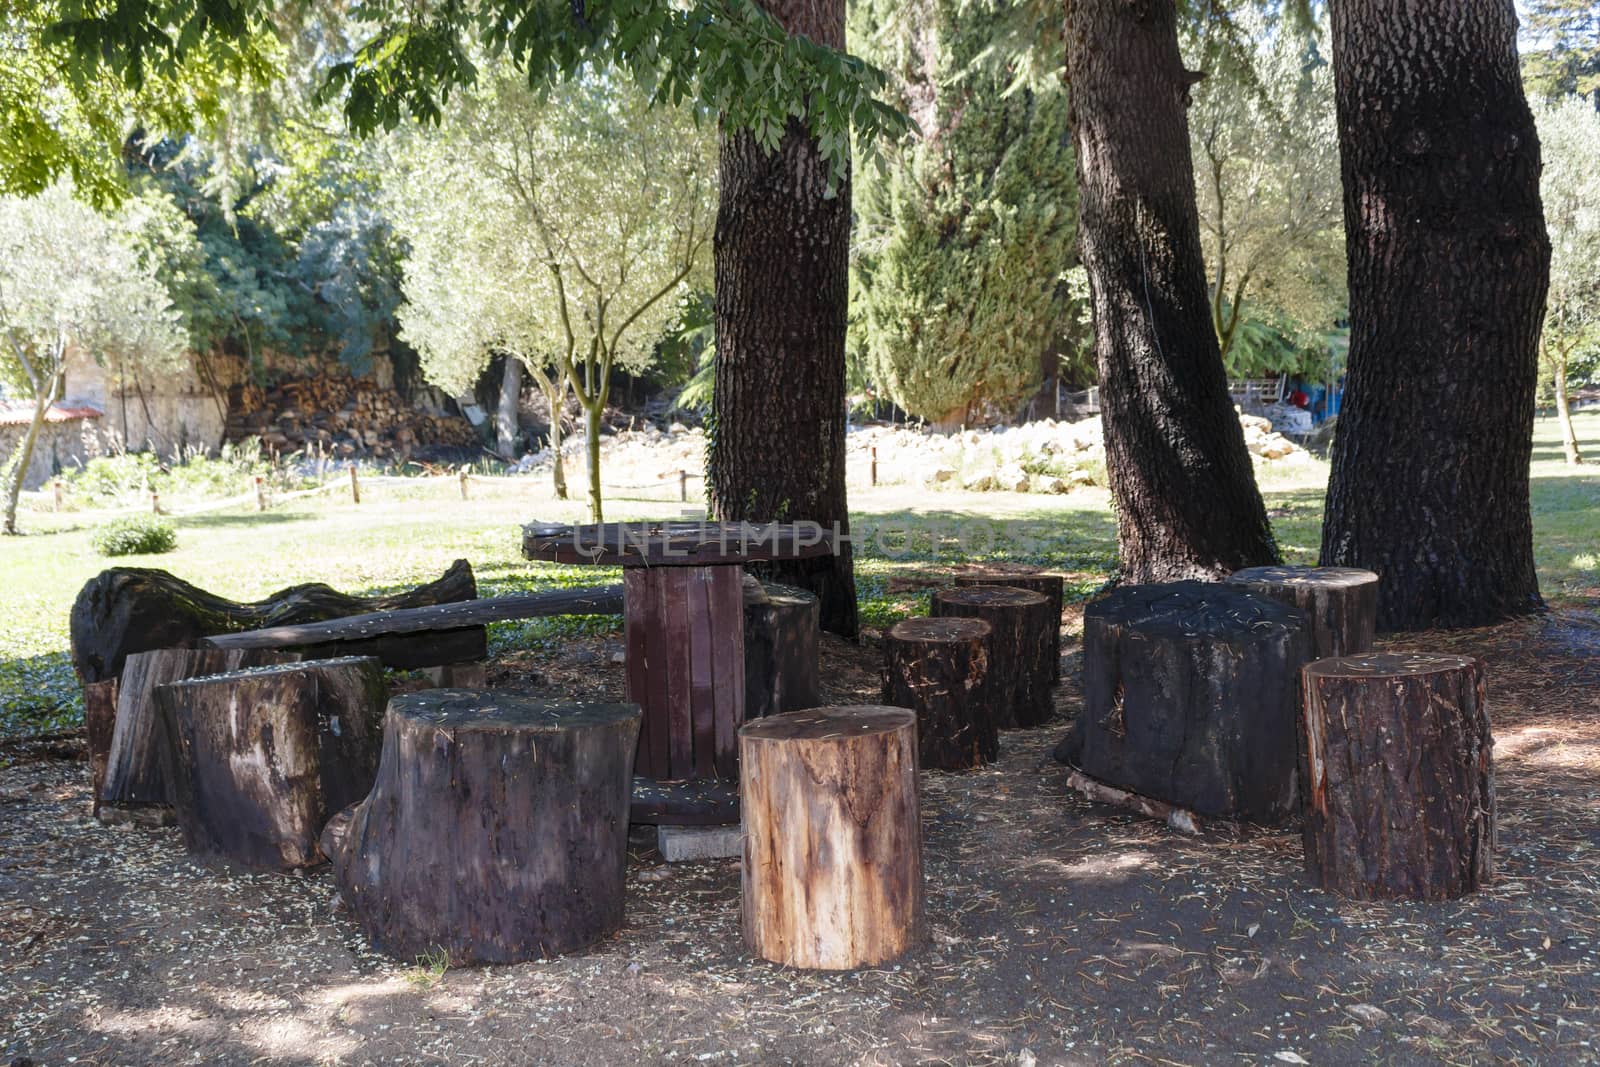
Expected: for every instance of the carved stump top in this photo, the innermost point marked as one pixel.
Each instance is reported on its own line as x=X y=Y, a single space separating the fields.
x=827 y=724
x=498 y=711
x=1388 y=665
x=1194 y=609
x=940 y=631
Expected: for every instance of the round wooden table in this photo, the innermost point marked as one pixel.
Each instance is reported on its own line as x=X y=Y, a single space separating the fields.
x=683 y=612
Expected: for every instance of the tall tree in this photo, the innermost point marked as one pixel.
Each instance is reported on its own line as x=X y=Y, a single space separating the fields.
x=777 y=448
x=1449 y=263
x=1186 y=498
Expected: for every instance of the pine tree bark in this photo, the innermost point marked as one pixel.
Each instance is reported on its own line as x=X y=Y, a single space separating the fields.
x=1448 y=266
x=782 y=296
x=1185 y=493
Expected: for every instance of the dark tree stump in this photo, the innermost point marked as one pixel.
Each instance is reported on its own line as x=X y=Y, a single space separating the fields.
x=99 y=723
x=259 y=759
x=1021 y=641
x=1399 y=776
x=1190 y=692
x=497 y=829
x=780 y=648
x=1053 y=586
x=135 y=773
x=832 y=836
x=938 y=668
x=132 y=609
x=1340 y=602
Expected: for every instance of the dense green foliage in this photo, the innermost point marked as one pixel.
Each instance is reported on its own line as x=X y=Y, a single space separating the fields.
x=137 y=535
x=1564 y=59
x=1569 y=137
x=963 y=238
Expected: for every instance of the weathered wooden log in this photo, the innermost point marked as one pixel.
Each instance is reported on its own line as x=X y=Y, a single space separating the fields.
x=99 y=723
x=496 y=831
x=130 y=609
x=832 y=836
x=259 y=759
x=1190 y=692
x=1399 y=776
x=780 y=648
x=1021 y=648
x=135 y=774
x=938 y=668
x=1053 y=586
x=1340 y=602
x=1184 y=822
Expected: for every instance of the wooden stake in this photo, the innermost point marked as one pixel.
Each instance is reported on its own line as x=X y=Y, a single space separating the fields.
x=155 y=502
x=355 y=485
x=683 y=486
x=874 y=464
x=58 y=494
x=464 y=483
x=261 y=494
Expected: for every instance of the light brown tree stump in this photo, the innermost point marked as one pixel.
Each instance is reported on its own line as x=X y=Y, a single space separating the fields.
x=1341 y=602
x=1399 y=776
x=1053 y=586
x=260 y=759
x=134 y=774
x=832 y=836
x=938 y=668
x=497 y=828
x=780 y=648
x=1021 y=647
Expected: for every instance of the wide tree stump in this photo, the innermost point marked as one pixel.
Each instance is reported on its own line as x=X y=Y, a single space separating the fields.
x=1399 y=776
x=1053 y=586
x=125 y=610
x=135 y=775
x=938 y=668
x=260 y=759
x=832 y=836
x=780 y=648
x=497 y=829
x=1021 y=647
x=1340 y=602
x=1190 y=691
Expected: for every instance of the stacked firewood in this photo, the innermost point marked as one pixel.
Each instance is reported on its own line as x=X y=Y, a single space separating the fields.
x=339 y=416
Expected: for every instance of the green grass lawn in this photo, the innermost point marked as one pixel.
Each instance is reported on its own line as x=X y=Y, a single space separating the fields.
x=402 y=535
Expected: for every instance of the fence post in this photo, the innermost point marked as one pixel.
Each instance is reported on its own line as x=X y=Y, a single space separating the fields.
x=683 y=486
x=58 y=494
x=874 y=464
x=463 y=481
x=355 y=485
x=155 y=502
x=261 y=494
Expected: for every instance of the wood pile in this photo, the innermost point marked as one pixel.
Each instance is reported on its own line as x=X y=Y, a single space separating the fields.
x=341 y=416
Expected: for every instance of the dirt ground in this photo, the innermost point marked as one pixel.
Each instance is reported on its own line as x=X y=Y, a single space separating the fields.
x=1060 y=932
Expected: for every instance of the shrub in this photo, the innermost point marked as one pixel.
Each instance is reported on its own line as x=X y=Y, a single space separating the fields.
x=143 y=535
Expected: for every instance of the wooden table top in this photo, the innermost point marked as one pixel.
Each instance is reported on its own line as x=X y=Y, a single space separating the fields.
x=674 y=544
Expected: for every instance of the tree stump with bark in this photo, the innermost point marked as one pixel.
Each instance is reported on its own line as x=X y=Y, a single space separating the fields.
x=497 y=828
x=1053 y=586
x=99 y=724
x=1190 y=692
x=1340 y=602
x=260 y=759
x=135 y=774
x=1399 y=776
x=832 y=836
x=939 y=669
x=780 y=648
x=1021 y=642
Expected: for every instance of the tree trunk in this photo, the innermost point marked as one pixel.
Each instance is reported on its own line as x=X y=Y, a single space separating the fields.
x=99 y=724
x=1448 y=264
x=505 y=418
x=496 y=831
x=591 y=447
x=832 y=837
x=780 y=649
x=1399 y=776
x=24 y=455
x=1185 y=493
x=259 y=760
x=1569 y=439
x=1020 y=645
x=939 y=668
x=777 y=447
x=556 y=394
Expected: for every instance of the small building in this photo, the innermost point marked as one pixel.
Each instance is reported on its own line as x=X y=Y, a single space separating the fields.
x=70 y=437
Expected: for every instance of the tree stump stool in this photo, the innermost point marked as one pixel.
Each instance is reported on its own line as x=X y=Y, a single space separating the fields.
x=1021 y=647
x=260 y=758
x=1399 y=776
x=99 y=724
x=832 y=836
x=497 y=829
x=1053 y=586
x=135 y=774
x=780 y=648
x=937 y=667
x=1190 y=692
x=1340 y=602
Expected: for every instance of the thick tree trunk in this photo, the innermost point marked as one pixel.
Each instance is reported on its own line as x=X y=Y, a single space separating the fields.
x=1185 y=494
x=939 y=668
x=1569 y=439
x=260 y=760
x=832 y=837
x=497 y=829
x=505 y=416
x=1448 y=263
x=1399 y=776
x=777 y=449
